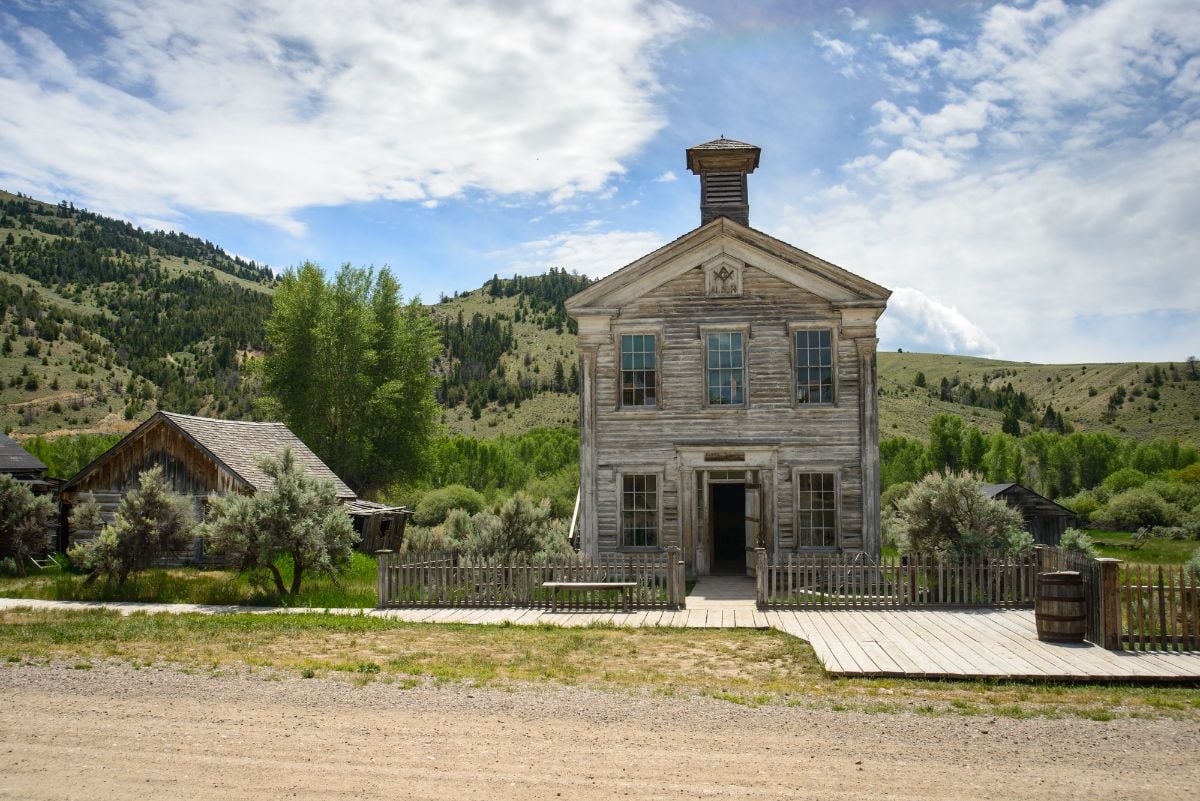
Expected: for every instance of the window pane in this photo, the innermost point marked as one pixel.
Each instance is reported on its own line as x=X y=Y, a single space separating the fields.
x=638 y=376
x=816 y=510
x=814 y=366
x=639 y=510
x=726 y=371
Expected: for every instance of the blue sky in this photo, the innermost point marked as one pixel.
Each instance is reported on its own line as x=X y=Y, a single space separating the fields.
x=1024 y=175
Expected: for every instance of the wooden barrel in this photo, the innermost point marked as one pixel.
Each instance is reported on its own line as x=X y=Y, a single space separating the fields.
x=1060 y=610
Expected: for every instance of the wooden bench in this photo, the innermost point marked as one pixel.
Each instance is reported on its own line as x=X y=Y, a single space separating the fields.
x=626 y=588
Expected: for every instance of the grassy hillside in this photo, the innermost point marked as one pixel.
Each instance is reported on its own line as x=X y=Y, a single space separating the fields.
x=1080 y=392
x=102 y=322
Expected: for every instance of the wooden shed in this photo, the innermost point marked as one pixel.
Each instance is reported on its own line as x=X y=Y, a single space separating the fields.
x=23 y=465
x=1045 y=520
x=201 y=457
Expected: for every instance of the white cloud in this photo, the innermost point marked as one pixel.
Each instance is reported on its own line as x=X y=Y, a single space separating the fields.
x=265 y=109
x=1044 y=187
x=834 y=50
x=667 y=177
x=855 y=22
x=582 y=250
x=927 y=26
x=915 y=321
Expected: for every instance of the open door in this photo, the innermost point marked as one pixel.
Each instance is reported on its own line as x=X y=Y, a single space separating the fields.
x=753 y=524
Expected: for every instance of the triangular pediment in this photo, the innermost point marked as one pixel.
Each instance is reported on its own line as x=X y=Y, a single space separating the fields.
x=722 y=245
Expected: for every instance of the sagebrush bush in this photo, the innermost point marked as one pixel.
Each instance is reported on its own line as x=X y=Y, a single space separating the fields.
x=24 y=521
x=949 y=514
x=1077 y=541
x=436 y=504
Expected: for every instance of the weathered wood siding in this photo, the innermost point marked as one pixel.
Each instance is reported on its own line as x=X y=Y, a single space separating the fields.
x=190 y=471
x=809 y=437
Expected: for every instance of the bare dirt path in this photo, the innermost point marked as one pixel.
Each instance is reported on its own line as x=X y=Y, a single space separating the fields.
x=114 y=732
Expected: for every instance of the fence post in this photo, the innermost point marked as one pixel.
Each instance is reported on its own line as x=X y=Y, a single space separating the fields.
x=1108 y=595
x=672 y=583
x=381 y=558
x=760 y=576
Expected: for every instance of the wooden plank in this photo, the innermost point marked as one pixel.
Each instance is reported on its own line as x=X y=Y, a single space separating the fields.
x=898 y=644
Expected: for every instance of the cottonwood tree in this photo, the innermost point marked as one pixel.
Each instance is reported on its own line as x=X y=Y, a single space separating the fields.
x=947 y=514
x=349 y=370
x=150 y=522
x=24 y=521
x=299 y=519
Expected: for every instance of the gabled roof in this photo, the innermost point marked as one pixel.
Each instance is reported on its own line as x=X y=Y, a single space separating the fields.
x=15 y=459
x=237 y=445
x=1030 y=497
x=728 y=237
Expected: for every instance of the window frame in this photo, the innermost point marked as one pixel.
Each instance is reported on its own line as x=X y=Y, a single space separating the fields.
x=658 y=474
x=819 y=470
x=744 y=329
x=635 y=330
x=815 y=325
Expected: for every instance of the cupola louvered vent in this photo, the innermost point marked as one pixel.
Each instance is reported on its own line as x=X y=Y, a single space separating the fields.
x=723 y=165
x=725 y=188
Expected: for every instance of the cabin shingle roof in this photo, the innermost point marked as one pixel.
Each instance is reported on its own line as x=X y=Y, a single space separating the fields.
x=15 y=459
x=724 y=144
x=239 y=444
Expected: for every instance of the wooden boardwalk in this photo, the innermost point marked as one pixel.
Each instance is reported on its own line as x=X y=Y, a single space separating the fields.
x=941 y=643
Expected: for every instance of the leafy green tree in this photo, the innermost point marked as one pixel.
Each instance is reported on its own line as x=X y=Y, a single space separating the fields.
x=24 y=521
x=901 y=460
x=299 y=519
x=948 y=514
x=349 y=369
x=919 y=380
x=974 y=448
x=150 y=522
x=945 y=442
x=434 y=507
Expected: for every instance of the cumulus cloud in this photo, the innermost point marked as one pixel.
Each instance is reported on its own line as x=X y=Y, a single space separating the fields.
x=915 y=321
x=667 y=177
x=264 y=109
x=1044 y=187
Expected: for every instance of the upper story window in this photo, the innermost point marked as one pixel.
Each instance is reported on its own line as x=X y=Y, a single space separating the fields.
x=726 y=374
x=639 y=370
x=814 y=366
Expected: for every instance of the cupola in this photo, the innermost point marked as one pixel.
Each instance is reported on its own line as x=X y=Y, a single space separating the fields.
x=723 y=165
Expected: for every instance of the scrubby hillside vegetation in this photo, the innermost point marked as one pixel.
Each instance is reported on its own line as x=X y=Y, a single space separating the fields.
x=102 y=322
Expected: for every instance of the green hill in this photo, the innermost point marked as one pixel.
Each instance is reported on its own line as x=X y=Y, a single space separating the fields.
x=102 y=322
x=1159 y=399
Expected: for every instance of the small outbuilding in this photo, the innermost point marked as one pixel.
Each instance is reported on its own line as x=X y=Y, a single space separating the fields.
x=23 y=466
x=1045 y=520
x=201 y=457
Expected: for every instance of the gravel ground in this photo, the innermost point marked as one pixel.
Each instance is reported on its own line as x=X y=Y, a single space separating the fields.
x=115 y=732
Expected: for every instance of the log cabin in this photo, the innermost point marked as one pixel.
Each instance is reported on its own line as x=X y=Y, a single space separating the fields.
x=202 y=457
x=728 y=392
x=1045 y=520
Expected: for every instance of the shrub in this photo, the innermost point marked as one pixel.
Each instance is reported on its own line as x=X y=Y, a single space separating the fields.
x=1188 y=475
x=1193 y=565
x=1125 y=479
x=559 y=488
x=1084 y=504
x=1133 y=508
x=891 y=497
x=1077 y=541
x=300 y=518
x=434 y=507
x=24 y=521
x=150 y=522
x=948 y=514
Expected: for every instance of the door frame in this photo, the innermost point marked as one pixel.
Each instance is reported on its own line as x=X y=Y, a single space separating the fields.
x=694 y=460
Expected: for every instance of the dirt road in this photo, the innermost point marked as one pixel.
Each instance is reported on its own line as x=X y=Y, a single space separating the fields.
x=114 y=732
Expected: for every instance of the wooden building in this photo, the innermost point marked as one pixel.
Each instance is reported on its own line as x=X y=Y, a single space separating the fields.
x=728 y=392
x=23 y=466
x=201 y=457
x=1045 y=520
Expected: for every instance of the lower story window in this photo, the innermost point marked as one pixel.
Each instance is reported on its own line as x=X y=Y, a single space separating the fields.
x=816 y=510
x=639 y=510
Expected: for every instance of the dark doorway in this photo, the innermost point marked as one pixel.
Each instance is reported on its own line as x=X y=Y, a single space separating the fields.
x=728 y=527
